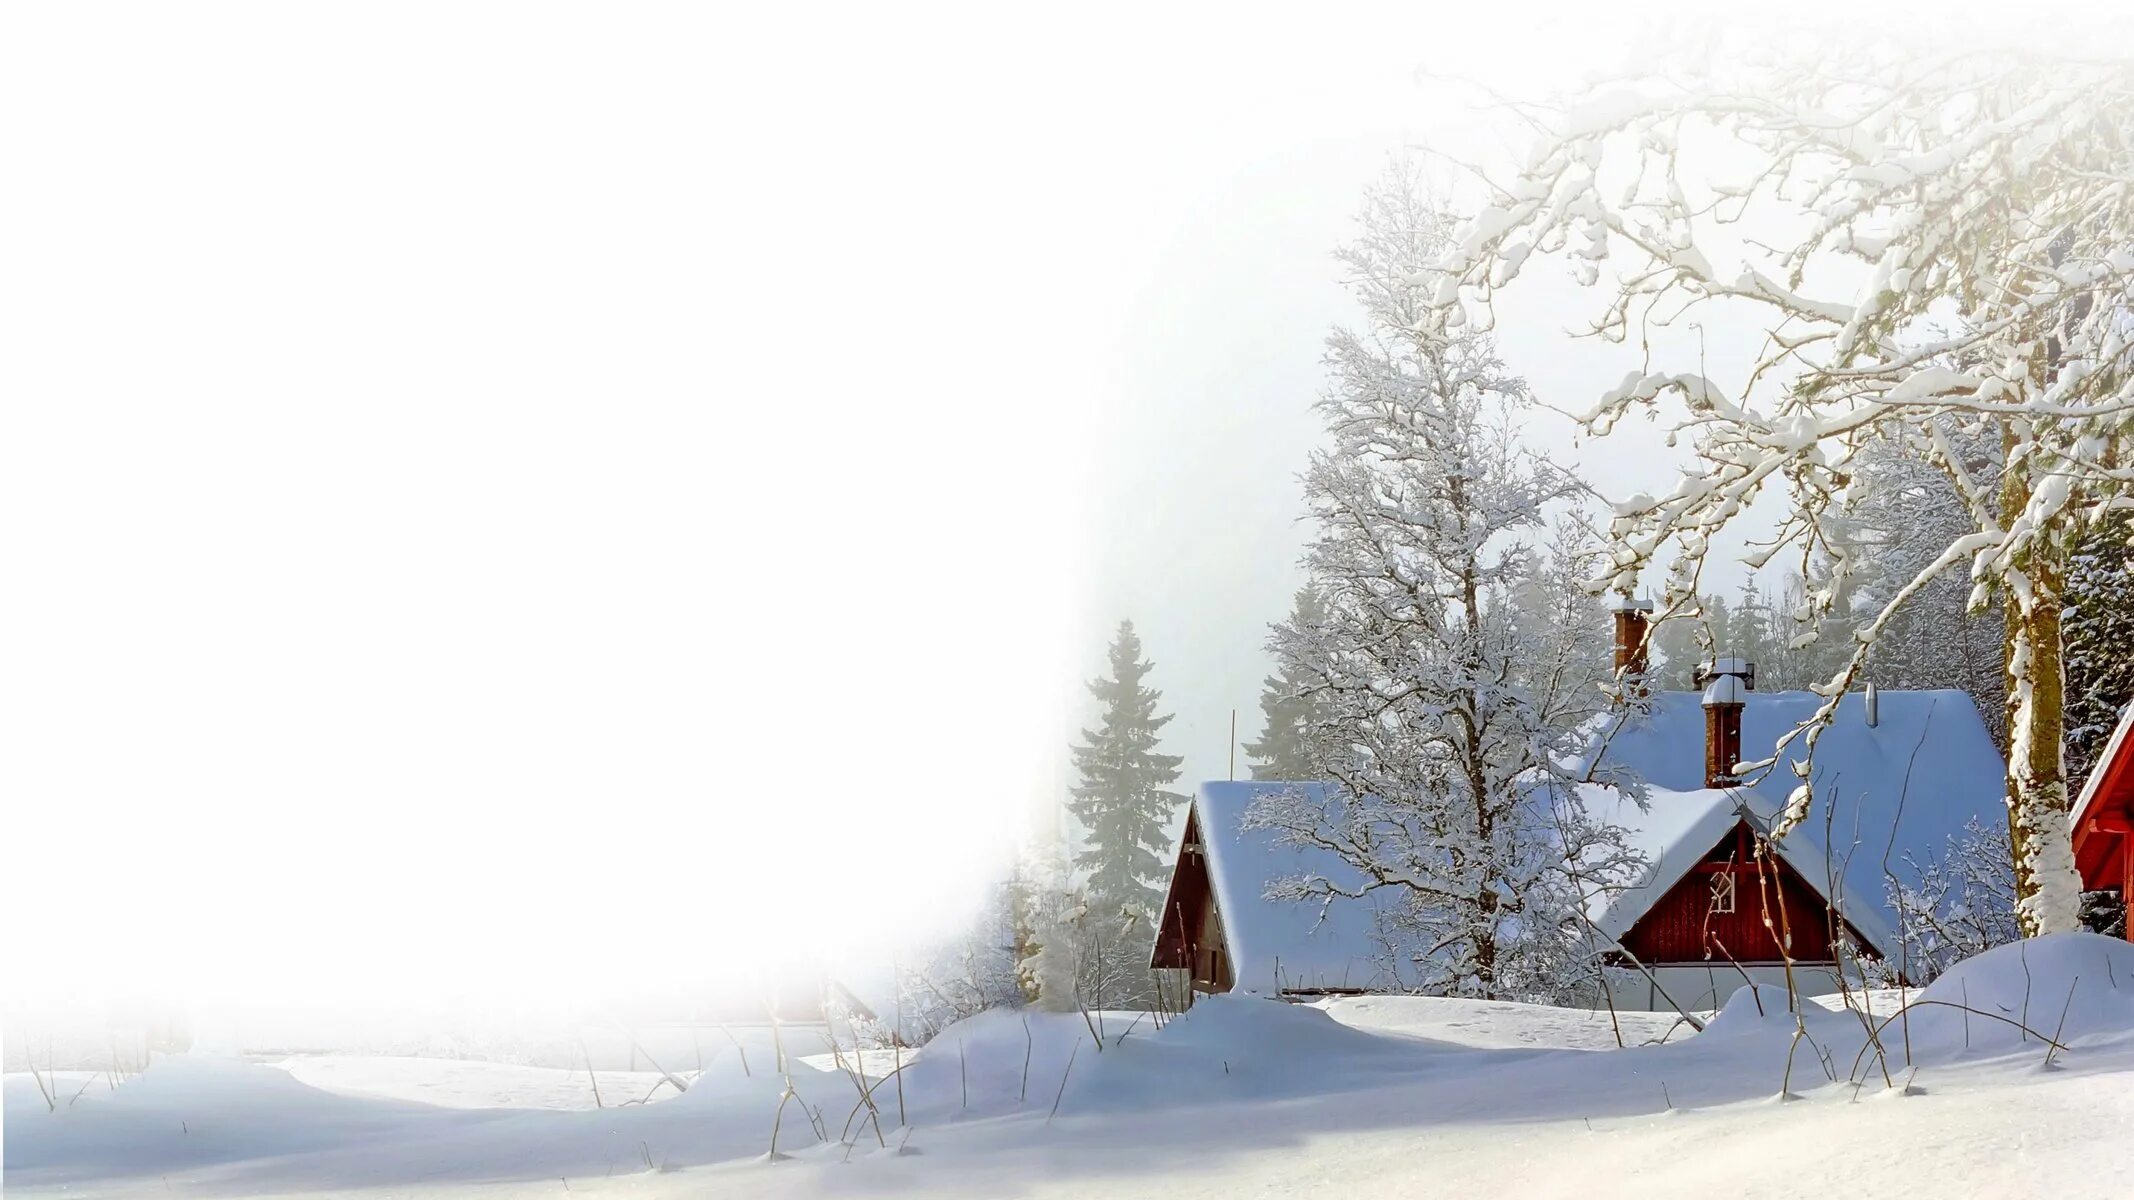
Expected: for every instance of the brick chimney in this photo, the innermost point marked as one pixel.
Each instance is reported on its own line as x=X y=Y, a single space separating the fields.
x=1727 y=683
x=1632 y=625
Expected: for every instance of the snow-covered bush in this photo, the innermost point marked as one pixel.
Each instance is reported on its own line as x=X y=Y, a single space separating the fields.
x=961 y=976
x=1080 y=956
x=1962 y=903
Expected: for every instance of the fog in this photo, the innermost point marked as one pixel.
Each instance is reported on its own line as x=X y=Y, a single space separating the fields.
x=530 y=505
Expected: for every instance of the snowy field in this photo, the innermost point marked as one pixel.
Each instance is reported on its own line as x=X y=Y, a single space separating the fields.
x=1394 y=1095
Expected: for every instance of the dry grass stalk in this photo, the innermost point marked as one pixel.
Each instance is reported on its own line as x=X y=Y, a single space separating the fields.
x=1023 y=1097
x=738 y=1049
x=1063 y=1084
x=778 y=1119
x=582 y=1049
x=2061 y=1028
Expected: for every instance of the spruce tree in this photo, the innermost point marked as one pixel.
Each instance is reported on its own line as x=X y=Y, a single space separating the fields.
x=1675 y=651
x=1284 y=751
x=2097 y=630
x=1121 y=801
x=1748 y=633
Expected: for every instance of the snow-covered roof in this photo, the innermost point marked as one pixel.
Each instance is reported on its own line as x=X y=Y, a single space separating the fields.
x=1282 y=944
x=1903 y=786
x=1725 y=689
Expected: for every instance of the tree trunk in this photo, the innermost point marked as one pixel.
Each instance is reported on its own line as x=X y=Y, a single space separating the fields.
x=1487 y=903
x=2047 y=890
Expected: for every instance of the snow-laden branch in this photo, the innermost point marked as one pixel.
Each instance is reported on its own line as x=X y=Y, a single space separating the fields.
x=1944 y=253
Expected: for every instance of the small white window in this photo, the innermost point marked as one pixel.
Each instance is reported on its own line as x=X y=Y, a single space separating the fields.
x=1722 y=891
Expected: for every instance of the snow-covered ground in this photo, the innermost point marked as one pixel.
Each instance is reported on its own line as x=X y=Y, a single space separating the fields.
x=1394 y=1095
x=1497 y=1025
x=459 y=1083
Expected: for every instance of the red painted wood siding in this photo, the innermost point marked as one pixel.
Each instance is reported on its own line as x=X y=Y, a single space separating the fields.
x=1682 y=928
x=1191 y=933
x=2104 y=829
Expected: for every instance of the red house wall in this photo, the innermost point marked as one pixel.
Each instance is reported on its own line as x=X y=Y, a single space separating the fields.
x=2104 y=829
x=1682 y=928
x=1190 y=936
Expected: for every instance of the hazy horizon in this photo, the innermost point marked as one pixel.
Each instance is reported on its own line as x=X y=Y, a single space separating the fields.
x=515 y=509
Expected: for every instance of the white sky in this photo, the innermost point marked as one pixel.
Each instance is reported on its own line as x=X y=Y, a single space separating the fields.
x=539 y=500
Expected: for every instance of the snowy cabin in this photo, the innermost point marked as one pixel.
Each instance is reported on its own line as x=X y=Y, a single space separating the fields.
x=1218 y=924
x=1895 y=778
x=2103 y=824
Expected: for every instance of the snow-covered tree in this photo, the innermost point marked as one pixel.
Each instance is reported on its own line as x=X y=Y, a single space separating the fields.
x=1789 y=661
x=1076 y=955
x=1940 y=247
x=1120 y=799
x=1449 y=724
x=1044 y=895
x=1676 y=649
x=2098 y=632
x=1096 y=932
x=1900 y=513
x=965 y=974
x=1285 y=749
x=1053 y=973
x=1568 y=631
x=1750 y=634
x=1760 y=625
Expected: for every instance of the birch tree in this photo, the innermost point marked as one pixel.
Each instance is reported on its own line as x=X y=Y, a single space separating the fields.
x=1447 y=723
x=1938 y=247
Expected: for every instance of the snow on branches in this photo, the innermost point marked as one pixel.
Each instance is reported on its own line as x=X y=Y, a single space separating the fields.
x=1447 y=697
x=1961 y=905
x=1938 y=249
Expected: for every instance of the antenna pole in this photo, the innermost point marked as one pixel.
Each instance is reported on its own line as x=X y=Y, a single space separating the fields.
x=1233 y=745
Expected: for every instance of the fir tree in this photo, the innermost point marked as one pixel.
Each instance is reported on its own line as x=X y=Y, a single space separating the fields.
x=1285 y=749
x=2098 y=633
x=1711 y=634
x=1121 y=801
x=1749 y=633
x=1798 y=662
x=1675 y=650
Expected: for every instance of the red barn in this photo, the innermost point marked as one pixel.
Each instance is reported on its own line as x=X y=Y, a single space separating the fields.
x=2104 y=820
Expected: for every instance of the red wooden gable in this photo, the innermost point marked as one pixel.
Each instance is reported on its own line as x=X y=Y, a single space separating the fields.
x=1717 y=912
x=1189 y=934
